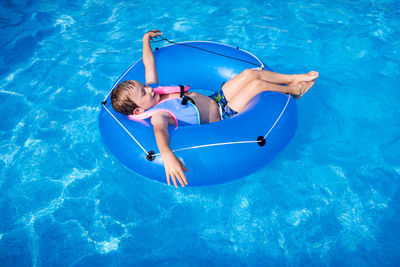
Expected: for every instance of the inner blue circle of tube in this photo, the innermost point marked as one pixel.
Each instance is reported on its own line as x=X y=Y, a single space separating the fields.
x=214 y=153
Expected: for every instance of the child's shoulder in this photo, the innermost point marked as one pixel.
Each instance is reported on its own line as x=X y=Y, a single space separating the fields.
x=162 y=118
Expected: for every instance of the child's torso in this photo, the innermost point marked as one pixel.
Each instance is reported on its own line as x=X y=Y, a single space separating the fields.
x=208 y=109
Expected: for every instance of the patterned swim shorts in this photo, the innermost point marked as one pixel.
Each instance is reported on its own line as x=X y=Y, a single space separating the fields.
x=225 y=111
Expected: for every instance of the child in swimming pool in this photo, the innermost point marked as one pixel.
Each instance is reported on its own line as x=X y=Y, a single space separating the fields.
x=133 y=98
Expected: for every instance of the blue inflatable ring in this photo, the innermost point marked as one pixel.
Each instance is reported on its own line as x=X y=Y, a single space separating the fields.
x=214 y=153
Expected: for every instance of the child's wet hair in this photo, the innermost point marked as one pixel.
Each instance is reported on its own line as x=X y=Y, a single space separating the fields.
x=120 y=97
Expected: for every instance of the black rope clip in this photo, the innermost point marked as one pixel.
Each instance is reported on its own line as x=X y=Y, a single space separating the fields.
x=261 y=141
x=151 y=155
x=104 y=103
x=186 y=99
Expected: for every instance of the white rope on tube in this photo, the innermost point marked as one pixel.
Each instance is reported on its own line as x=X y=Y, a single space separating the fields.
x=126 y=130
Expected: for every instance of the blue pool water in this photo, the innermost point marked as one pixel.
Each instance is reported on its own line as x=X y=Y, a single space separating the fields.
x=331 y=198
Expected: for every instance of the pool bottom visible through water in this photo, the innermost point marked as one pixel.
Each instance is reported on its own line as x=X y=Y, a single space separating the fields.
x=330 y=198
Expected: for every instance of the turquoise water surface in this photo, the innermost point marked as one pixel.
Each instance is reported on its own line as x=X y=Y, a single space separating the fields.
x=331 y=198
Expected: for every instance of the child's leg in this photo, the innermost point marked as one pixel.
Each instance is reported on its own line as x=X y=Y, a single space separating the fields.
x=274 y=77
x=243 y=97
x=279 y=78
x=239 y=82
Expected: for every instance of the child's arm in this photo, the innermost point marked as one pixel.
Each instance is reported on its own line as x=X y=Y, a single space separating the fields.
x=173 y=166
x=148 y=57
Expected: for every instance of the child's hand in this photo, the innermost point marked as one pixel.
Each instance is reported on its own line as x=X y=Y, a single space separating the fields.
x=153 y=34
x=174 y=169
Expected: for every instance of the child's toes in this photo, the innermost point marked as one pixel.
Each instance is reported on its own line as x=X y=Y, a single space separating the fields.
x=313 y=75
x=305 y=86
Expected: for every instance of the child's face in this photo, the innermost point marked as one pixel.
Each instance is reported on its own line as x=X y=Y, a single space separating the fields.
x=144 y=96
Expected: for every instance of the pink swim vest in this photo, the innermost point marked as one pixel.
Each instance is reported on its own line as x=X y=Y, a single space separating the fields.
x=182 y=111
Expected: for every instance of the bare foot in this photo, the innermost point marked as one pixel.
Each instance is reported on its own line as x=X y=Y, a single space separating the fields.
x=306 y=77
x=300 y=89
